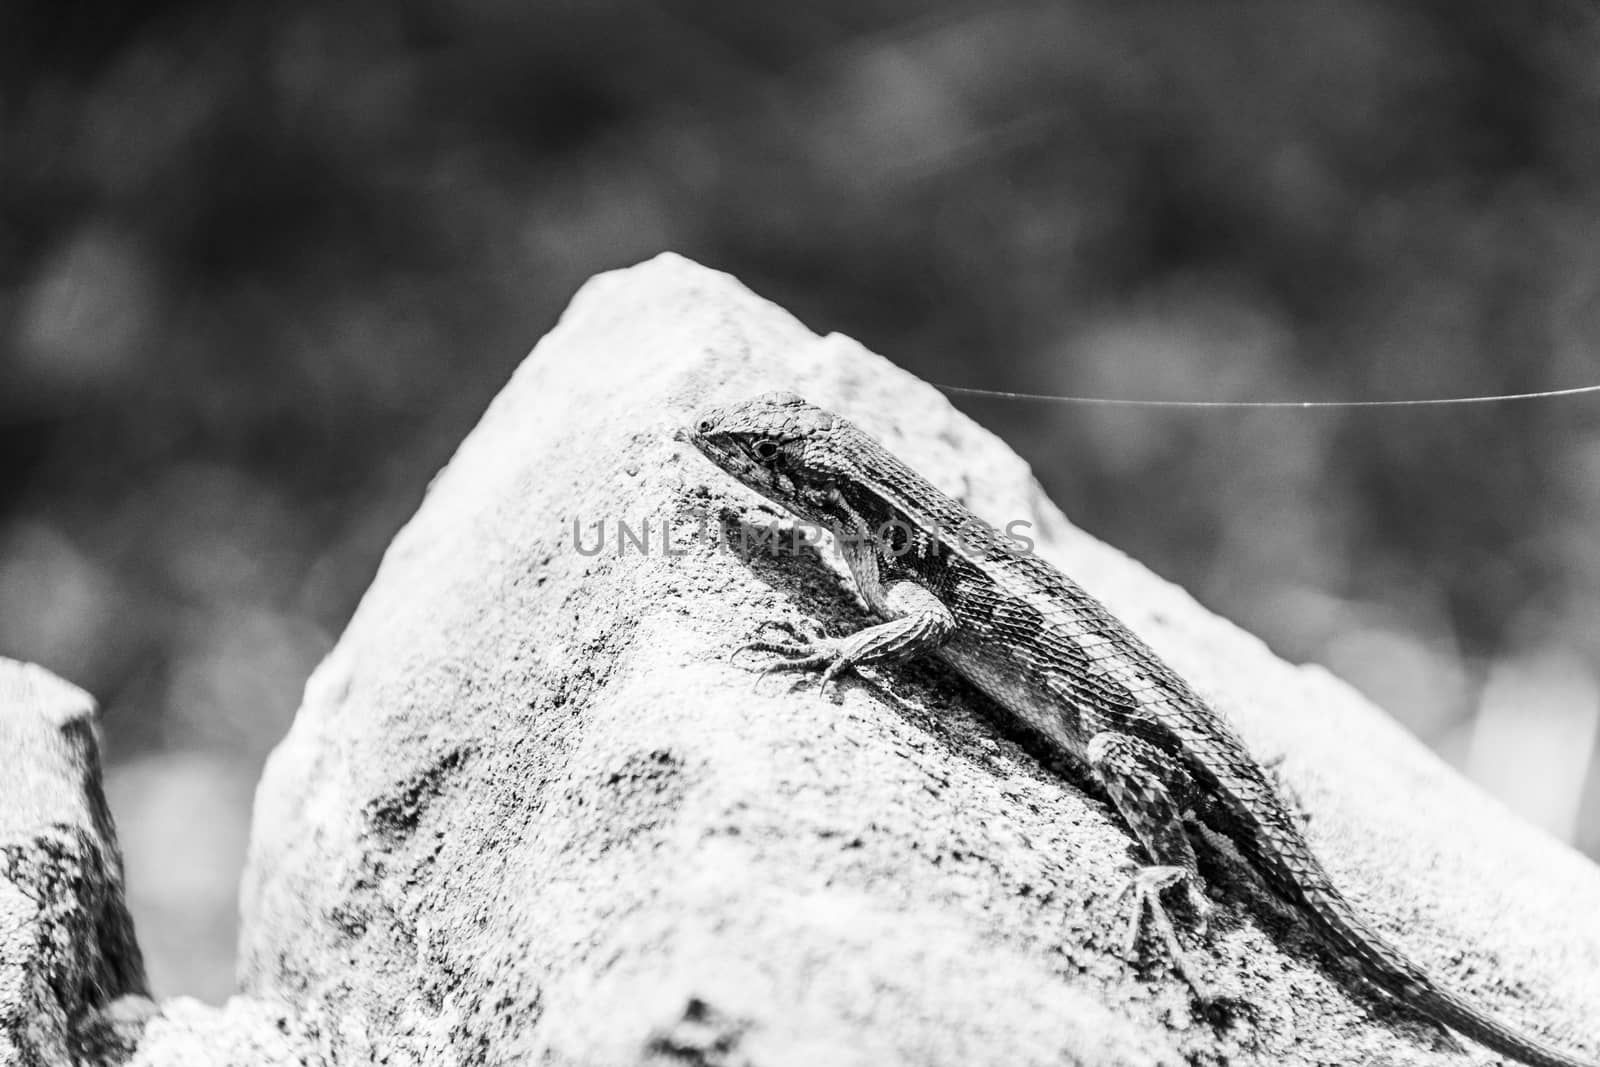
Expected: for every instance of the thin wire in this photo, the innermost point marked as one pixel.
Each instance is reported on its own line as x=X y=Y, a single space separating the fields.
x=1130 y=403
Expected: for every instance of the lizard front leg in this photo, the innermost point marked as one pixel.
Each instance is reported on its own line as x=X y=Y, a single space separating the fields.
x=919 y=623
x=1141 y=782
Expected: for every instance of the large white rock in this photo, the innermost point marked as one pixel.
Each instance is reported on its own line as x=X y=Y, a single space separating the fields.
x=530 y=813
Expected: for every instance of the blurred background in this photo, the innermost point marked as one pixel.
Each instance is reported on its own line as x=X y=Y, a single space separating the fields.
x=262 y=266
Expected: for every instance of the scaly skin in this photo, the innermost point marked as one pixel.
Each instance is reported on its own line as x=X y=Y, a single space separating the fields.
x=1053 y=656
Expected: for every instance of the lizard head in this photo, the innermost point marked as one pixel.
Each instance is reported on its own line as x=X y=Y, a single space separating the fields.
x=782 y=447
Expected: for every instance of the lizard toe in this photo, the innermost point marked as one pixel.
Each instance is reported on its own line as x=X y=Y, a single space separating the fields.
x=1144 y=889
x=791 y=649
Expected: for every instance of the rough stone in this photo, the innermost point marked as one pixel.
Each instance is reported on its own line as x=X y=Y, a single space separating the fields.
x=67 y=950
x=529 y=811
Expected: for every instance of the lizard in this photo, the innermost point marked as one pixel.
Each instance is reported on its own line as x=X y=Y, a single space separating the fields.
x=1055 y=658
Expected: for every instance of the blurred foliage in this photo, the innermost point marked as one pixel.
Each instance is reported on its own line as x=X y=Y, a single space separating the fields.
x=261 y=267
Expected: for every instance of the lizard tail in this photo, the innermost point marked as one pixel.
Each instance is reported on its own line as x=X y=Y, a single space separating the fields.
x=1388 y=968
x=1465 y=1019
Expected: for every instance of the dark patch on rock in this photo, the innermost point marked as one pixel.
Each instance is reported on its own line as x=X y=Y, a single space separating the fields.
x=395 y=815
x=701 y=1037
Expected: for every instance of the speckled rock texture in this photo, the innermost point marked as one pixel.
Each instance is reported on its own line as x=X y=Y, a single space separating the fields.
x=529 y=812
x=72 y=981
x=67 y=950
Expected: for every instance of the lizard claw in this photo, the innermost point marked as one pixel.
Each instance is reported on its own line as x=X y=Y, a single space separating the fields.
x=810 y=649
x=1145 y=888
x=804 y=636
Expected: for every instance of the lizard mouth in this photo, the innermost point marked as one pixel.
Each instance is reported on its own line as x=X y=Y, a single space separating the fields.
x=732 y=461
x=705 y=447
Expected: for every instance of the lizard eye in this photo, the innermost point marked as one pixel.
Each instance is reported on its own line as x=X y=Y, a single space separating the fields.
x=704 y=426
x=766 y=449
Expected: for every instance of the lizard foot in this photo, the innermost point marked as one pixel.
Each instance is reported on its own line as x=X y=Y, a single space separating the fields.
x=1145 y=889
x=801 y=635
x=808 y=648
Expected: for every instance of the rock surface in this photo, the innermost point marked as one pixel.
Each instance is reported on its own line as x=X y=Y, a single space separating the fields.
x=72 y=981
x=529 y=812
x=67 y=950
